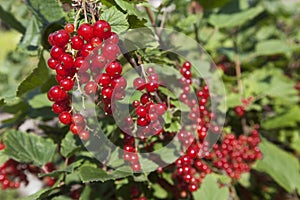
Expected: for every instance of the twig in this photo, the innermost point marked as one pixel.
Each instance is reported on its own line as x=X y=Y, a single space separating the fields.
x=127 y=55
x=162 y=23
x=84 y=10
x=238 y=72
x=76 y=18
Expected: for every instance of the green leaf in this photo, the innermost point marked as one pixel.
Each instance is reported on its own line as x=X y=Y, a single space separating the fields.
x=69 y=145
x=280 y=165
x=173 y=127
x=234 y=19
x=90 y=173
x=129 y=8
x=213 y=3
x=135 y=22
x=2 y=102
x=159 y=192
x=39 y=101
x=290 y=118
x=35 y=79
x=116 y=19
x=211 y=190
x=32 y=38
x=3 y=157
x=168 y=117
x=42 y=194
x=10 y=20
x=29 y=148
x=272 y=47
x=167 y=92
x=45 y=10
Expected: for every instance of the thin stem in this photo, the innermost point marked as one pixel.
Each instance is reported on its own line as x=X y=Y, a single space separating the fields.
x=127 y=55
x=91 y=9
x=238 y=72
x=84 y=10
x=76 y=18
x=162 y=23
x=150 y=15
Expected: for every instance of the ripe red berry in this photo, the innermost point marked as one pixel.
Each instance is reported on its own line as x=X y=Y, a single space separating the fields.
x=110 y=51
x=107 y=92
x=67 y=84
x=187 y=65
x=66 y=61
x=102 y=29
x=56 y=52
x=139 y=83
x=57 y=94
x=152 y=86
x=136 y=167
x=119 y=82
x=52 y=63
x=141 y=111
x=239 y=110
x=91 y=87
x=76 y=128
x=61 y=38
x=2 y=146
x=98 y=63
x=65 y=117
x=145 y=98
x=142 y=121
x=76 y=42
x=78 y=119
x=69 y=27
x=113 y=39
x=84 y=135
x=104 y=79
x=114 y=68
x=86 y=31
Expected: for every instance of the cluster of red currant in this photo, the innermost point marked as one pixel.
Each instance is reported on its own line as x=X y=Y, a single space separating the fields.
x=12 y=173
x=147 y=111
x=234 y=155
x=241 y=109
x=81 y=57
x=190 y=168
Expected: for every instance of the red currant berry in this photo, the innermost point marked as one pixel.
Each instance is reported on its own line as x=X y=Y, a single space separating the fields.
x=187 y=65
x=61 y=38
x=152 y=86
x=66 y=61
x=119 y=83
x=86 y=31
x=139 y=83
x=104 y=79
x=69 y=27
x=52 y=63
x=141 y=111
x=91 y=87
x=84 y=135
x=114 y=68
x=76 y=42
x=65 y=117
x=56 y=52
x=67 y=84
x=102 y=29
x=142 y=121
x=113 y=39
x=78 y=119
x=111 y=51
x=145 y=98
x=76 y=129
x=107 y=92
